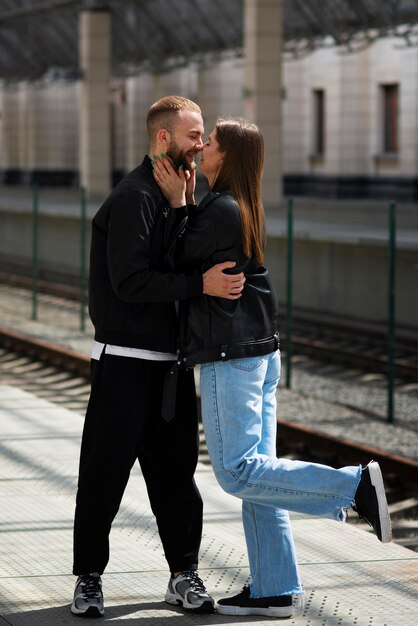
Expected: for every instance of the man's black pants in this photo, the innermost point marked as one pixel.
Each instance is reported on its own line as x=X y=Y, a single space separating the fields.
x=123 y=423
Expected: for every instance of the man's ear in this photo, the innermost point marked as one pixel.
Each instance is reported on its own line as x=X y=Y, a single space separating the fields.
x=163 y=136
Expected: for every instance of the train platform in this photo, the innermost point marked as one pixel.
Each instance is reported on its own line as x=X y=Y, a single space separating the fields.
x=355 y=222
x=349 y=577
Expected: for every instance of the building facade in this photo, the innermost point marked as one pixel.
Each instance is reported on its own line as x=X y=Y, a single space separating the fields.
x=350 y=123
x=349 y=120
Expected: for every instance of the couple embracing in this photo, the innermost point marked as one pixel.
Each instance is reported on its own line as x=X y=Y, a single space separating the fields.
x=153 y=247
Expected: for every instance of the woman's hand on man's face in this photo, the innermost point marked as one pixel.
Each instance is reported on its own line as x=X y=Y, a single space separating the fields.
x=172 y=184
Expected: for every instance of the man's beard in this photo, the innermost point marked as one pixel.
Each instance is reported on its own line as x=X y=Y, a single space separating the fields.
x=178 y=156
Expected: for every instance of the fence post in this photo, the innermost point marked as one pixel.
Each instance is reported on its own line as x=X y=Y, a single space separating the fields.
x=35 y=250
x=83 y=259
x=391 y=311
x=289 y=293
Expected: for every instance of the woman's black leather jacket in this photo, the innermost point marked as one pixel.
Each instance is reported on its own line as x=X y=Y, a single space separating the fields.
x=216 y=329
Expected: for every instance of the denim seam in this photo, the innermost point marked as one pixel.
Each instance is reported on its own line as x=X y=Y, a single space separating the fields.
x=217 y=425
x=258 y=549
x=237 y=365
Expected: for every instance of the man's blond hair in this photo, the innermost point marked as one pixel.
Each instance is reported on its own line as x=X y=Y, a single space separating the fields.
x=163 y=113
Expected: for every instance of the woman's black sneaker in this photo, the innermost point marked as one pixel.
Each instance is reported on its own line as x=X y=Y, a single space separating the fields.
x=243 y=604
x=370 y=502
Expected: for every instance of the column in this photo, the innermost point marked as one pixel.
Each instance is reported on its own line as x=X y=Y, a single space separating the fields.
x=9 y=122
x=94 y=129
x=262 y=91
x=28 y=132
x=140 y=96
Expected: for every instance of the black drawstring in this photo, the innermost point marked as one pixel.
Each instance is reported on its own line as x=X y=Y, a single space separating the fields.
x=170 y=392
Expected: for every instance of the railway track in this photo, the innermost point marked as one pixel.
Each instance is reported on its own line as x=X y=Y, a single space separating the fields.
x=353 y=344
x=62 y=376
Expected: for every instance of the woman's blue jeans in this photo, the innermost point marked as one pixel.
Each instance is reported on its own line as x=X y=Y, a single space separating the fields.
x=239 y=418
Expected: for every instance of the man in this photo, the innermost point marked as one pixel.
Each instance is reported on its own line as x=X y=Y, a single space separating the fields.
x=132 y=305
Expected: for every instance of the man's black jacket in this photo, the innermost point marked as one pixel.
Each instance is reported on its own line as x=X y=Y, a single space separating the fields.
x=131 y=289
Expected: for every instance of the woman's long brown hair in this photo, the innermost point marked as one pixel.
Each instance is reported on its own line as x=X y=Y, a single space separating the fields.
x=242 y=145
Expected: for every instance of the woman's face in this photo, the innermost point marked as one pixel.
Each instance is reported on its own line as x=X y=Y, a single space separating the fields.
x=211 y=158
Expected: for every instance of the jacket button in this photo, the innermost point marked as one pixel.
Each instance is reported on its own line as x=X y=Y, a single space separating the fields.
x=223 y=354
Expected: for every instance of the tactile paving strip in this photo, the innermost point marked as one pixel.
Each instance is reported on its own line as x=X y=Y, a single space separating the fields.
x=349 y=577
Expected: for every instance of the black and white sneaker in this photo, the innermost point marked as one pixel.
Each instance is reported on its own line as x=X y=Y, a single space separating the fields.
x=370 y=502
x=88 y=596
x=187 y=590
x=243 y=604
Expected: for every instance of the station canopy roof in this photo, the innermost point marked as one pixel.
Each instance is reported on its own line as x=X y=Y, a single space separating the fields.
x=39 y=38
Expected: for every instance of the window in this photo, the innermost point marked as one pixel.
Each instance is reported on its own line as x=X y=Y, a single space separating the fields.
x=318 y=121
x=390 y=98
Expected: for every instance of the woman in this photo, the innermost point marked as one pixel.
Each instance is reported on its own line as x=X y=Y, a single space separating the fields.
x=236 y=344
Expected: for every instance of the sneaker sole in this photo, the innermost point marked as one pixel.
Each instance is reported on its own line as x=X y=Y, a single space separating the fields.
x=206 y=607
x=376 y=479
x=271 y=611
x=92 y=611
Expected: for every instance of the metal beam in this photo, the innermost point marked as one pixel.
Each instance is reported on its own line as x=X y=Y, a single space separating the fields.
x=37 y=8
x=170 y=33
x=129 y=48
x=213 y=27
x=162 y=34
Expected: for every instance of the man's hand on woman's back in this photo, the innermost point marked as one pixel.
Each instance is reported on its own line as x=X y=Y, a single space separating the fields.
x=217 y=283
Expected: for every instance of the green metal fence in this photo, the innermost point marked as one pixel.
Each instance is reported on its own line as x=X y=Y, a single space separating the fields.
x=391 y=308
x=82 y=278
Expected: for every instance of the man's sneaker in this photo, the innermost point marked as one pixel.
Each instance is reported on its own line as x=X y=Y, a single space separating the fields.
x=188 y=591
x=88 y=596
x=243 y=604
x=370 y=502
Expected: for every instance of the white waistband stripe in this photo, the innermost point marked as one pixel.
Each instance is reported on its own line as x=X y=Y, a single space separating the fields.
x=136 y=353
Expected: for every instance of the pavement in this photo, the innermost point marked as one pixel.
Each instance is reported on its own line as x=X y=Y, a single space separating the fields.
x=350 y=578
